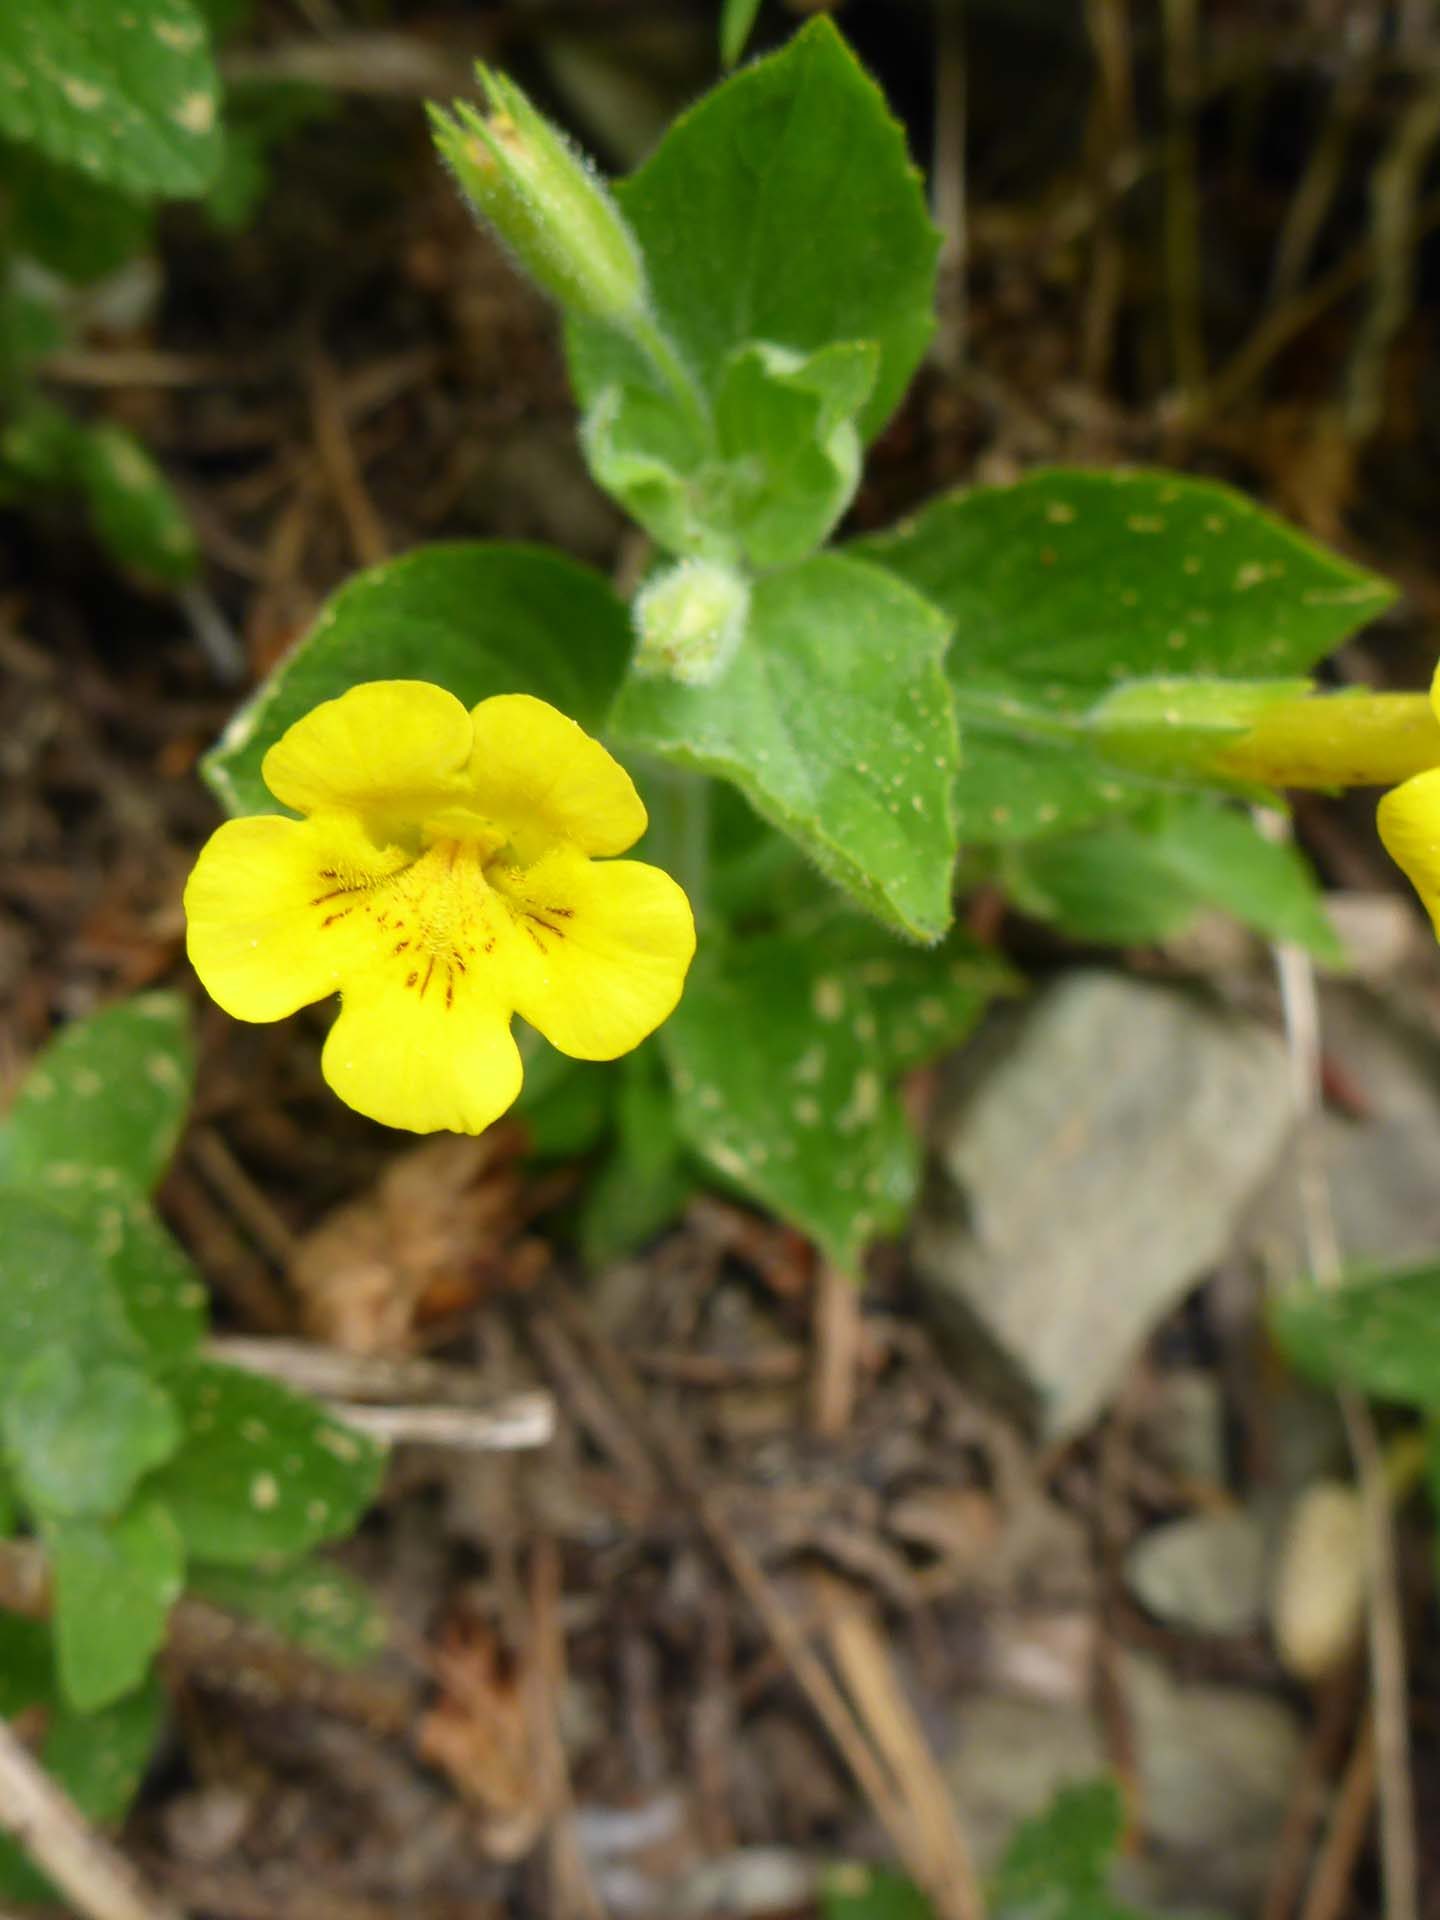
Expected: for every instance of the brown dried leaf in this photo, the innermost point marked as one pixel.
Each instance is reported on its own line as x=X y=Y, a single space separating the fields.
x=438 y=1232
x=484 y=1733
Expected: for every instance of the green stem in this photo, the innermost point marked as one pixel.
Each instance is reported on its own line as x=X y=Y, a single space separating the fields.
x=661 y=352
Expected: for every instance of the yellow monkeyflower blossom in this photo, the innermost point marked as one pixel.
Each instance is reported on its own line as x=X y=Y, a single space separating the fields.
x=451 y=869
x=1365 y=739
x=1409 y=822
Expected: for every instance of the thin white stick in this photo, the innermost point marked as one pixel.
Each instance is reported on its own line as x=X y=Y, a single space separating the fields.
x=98 y=1879
x=460 y=1408
x=1388 y=1685
x=527 y=1420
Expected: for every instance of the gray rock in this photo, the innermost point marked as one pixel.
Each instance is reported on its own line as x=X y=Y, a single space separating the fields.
x=1093 y=1154
x=1009 y=1759
x=1205 y=1573
x=1380 y=1167
x=1215 y=1765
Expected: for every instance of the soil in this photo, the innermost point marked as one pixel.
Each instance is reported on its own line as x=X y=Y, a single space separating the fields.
x=613 y=1661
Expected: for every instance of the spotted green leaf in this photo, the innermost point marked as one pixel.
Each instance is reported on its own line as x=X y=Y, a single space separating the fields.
x=784 y=1062
x=115 y=1582
x=126 y=93
x=262 y=1472
x=834 y=721
x=133 y=506
x=134 y=512
x=79 y=1441
x=68 y=222
x=476 y=618
x=1147 y=876
x=318 y=1606
x=1377 y=1333
x=1071 y=584
x=98 y=1758
x=108 y=1093
x=54 y=1290
x=162 y=1293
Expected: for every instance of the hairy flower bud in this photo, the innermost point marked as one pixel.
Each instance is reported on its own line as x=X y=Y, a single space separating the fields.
x=690 y=619
x=545 y=201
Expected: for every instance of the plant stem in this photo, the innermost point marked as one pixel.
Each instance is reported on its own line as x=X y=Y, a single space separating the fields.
x=661 y=352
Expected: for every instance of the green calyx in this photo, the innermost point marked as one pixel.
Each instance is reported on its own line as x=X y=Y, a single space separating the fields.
x=545 y=202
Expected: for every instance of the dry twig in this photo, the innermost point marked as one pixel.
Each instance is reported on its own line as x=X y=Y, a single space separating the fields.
x=956 y=1898
x=1389 y=1690
x=101 y=1881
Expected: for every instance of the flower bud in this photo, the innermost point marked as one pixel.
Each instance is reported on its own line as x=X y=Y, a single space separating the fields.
x=690 y=619
x=545 y=201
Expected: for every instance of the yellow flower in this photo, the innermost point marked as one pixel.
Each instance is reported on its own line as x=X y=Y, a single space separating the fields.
x=450 y=870
x=1409 y=822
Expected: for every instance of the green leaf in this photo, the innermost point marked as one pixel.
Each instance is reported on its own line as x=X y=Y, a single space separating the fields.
x=1070 y=584
x=262 y=1472
x=737 y=18
x=786 y=426
x=109 y=1093
x=98 y=1758
x=164 y=1297
x=784 y=208
x=136 y=514
x=115 y=1582
x=1058 y=1864
x=782 y=468
x=924 y=1001
x=27 y=1665
x=1378 y=1333
x=69 y=222
x=565 y=1104
x=79 y=1441
x=128 y=94
x=479 y=619
x=319 y=1607
x=834 y=721
x=54 y=1290
x=1146 y=877
x=644 y=1181
x=650 y=458
x=871 y=1893
x=31 y=326
x=783 y=1082
x=37 y=441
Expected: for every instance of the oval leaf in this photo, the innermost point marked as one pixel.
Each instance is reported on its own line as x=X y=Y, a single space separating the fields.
x=261 y=1471
x=477 y=619
x=126 y=93
x=1068 y=584
x=109 y=1093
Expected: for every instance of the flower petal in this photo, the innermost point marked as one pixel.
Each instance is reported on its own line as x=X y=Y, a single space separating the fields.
x=270 y=921
x=544 y=776
x=421 y=1061
x=392 y=746
x=603 y=951
x=1409 y=822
